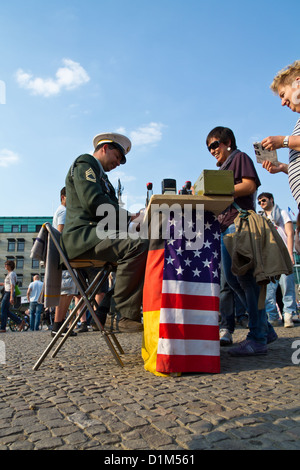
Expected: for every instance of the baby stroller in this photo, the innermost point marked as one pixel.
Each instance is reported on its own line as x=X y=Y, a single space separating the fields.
x=20 y=309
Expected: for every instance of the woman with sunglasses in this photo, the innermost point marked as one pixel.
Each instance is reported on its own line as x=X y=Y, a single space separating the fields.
x=221 y=144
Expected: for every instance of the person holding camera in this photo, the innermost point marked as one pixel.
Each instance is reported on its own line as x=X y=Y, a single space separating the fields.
x=286 y=85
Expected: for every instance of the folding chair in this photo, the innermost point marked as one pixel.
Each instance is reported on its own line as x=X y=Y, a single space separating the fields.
x=87 y=300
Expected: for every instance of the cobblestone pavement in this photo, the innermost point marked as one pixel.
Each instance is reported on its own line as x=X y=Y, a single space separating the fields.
x=83 y=400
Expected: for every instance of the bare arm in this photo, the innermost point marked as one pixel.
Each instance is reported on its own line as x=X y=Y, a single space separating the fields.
x=271 y=168
x=28 y=294
x=276 y=142
x=289 y=230
x=12 y=293
x=246 y=187
x=297 y=241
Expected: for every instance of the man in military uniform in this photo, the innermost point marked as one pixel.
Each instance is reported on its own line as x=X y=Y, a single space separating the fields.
x=88 y=192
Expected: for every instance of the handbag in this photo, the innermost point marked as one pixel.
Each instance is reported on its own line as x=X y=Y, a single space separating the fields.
x=17 y=291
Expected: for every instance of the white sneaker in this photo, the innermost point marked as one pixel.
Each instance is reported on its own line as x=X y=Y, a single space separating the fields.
x=288 y=320
x=225 y=337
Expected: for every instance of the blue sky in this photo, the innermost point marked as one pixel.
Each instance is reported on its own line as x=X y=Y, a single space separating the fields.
x=163 y=72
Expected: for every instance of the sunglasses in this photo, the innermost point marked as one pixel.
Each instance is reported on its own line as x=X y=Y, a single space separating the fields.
x=214 y=145
x=262 y=200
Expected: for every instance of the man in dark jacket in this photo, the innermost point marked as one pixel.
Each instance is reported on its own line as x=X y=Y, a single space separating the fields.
x=96 y=226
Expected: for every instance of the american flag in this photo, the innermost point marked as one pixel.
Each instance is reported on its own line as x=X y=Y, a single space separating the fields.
x=188 y=326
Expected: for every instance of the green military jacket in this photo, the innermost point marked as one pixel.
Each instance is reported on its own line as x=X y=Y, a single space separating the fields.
x=87 y=188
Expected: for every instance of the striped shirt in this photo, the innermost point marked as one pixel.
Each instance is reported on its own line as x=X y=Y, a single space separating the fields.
x=294 y=168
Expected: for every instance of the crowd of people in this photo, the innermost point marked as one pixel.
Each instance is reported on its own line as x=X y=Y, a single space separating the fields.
x=222 y=145
x=88 y=189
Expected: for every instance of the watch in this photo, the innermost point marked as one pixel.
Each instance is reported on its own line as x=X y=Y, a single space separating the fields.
x=286 y=141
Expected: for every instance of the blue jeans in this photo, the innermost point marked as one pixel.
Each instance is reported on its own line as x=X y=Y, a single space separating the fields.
x=287 y=284
x=231 y=308
x=5 y=312
x=35 y=311
x=248 y=292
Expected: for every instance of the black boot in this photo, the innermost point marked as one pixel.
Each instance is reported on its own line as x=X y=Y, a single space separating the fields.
x=57 y=325
x=101 y=314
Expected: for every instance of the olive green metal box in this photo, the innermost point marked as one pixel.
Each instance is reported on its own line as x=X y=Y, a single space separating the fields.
x=214 y=182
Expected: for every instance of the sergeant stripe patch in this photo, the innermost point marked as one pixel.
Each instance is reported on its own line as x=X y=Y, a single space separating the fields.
x=90 y=175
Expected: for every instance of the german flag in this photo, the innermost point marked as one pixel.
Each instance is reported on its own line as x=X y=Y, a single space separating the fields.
x=181 y=303
x=152 y=303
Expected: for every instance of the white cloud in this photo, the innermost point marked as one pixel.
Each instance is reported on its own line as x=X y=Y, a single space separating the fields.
x=69 y=77
x=121 y=130
x=117 y=174
x=7 y=158
x=149 y=134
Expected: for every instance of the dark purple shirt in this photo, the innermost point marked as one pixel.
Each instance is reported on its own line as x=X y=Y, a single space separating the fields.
x=242 y=167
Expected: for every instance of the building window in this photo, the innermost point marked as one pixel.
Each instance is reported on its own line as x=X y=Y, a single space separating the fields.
x=21 y=244
x=24 y=228
x=20 y=280
x=35 y=264
x=15 y=228
x=20 y=262
x=1 y=228
x=11 y=244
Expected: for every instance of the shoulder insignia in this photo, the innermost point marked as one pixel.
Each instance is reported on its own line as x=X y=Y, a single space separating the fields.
x=90 y=175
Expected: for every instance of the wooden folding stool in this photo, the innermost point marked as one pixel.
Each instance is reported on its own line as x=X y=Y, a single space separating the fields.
x=86 y=301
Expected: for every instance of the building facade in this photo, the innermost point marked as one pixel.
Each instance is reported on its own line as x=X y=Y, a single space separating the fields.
x=17 y=235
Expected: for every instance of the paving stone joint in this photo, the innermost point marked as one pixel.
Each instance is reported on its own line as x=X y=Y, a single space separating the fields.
x=82 y=400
